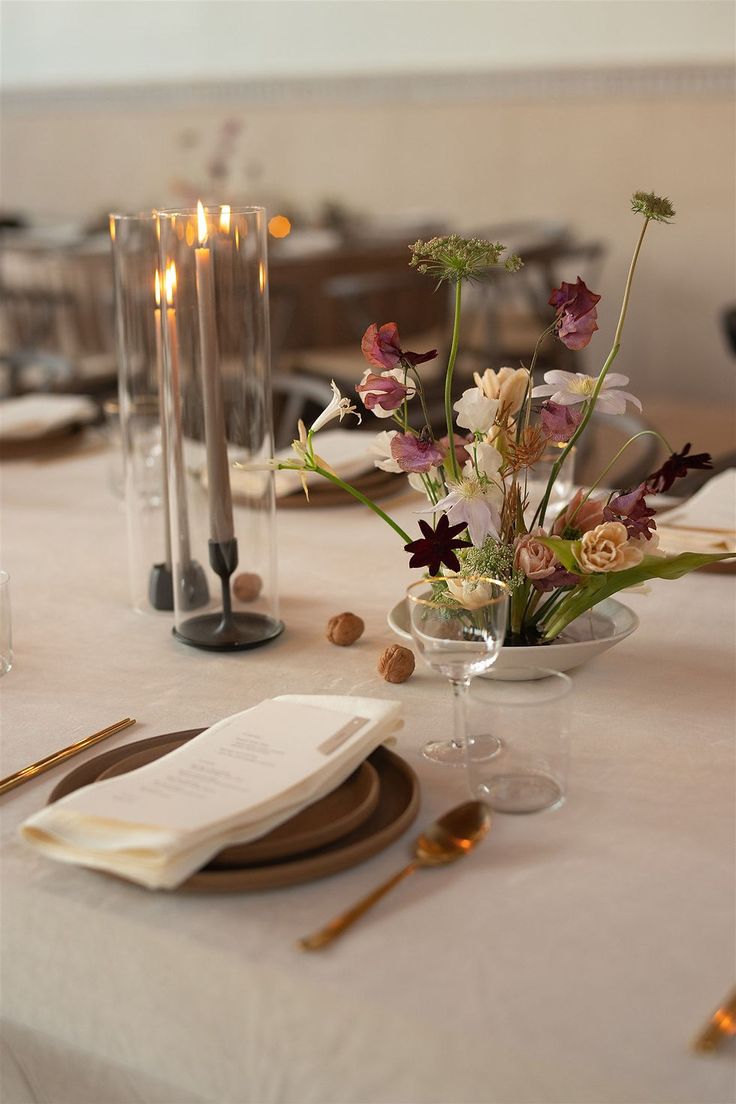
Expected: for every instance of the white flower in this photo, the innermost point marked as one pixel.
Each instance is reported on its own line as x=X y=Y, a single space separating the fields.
x=337 y=408
x=475 y=506
x=416 y=479
x=508 y=385
x=569 y=388
x=475 y=411
x=381 y=449
x=471 y=594
x=487 y=458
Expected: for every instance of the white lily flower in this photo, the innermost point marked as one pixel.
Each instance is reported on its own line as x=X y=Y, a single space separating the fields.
x=475 y=506
x=337 y=408
x=487 y=458
x=570 y=388
x=475 y=411
x=381 y=450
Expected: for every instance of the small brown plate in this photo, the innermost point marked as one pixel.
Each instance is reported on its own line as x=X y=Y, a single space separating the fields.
x=328 y=819
x=395 y=811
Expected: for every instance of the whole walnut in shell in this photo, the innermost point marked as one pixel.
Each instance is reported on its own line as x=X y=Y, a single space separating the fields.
x=247 y=586
x=396 y=663
x=344 y=629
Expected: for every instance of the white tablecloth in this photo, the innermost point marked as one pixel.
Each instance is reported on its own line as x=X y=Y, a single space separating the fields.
x=570 y=959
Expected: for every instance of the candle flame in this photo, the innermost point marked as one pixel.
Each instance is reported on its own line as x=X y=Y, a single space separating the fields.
x=225 y=218
x=201 y=223
x=157 y=288
x=112 y=228
x=170 y=283
x=261 y=277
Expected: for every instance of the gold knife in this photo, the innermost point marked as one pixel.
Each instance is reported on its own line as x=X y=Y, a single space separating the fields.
x=41 y=765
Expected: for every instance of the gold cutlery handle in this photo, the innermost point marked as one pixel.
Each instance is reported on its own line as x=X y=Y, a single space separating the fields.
x=325 y=936
x=50 y=761
x=720 y=1026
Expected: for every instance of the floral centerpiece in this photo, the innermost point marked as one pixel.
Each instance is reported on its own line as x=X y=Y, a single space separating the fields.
x=474 y=470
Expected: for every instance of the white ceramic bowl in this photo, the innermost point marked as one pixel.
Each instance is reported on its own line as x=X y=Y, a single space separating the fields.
x=595 y=632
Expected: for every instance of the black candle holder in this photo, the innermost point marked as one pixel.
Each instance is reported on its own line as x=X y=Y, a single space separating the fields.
x=194 y=591
x=227 y=630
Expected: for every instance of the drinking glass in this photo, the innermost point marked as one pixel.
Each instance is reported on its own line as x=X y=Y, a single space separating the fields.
x=531 y=720
x=539 y=473
x=6 y=632
x=460 y=638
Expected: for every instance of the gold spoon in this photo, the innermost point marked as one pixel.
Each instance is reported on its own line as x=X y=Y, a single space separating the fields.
x=448 y=839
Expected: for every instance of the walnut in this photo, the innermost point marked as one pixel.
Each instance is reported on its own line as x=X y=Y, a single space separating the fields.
x=344 y=629
x=247 y=586
x=396 y=663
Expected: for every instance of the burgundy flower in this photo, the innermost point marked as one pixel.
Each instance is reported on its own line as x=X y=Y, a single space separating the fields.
x=560 y=422
x=381 y=348
x=437 y=546
x=630 y=508
x=384 y=392
x=675 y=467
x=576 y=313
x=559 y=578
x=416 y=454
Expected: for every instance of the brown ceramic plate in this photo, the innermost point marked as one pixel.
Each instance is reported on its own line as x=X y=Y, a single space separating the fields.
x=335 y=815
x=395 y=811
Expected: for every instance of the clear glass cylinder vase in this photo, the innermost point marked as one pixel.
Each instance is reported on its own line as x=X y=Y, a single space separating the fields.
x=135 y=253
x=217 y=402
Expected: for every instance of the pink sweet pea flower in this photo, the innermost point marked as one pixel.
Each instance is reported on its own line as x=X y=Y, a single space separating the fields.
x=559 y=422
x=576 y=313
x=381 y=348
x=385 y=393
x=416 y=454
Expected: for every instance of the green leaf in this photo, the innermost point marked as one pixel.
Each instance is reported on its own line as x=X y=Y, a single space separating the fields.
x=564 y=550
x=599 y=587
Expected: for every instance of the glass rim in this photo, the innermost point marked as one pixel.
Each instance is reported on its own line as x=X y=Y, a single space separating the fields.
x=209 y=209
x=133 y=216
x=506 y=591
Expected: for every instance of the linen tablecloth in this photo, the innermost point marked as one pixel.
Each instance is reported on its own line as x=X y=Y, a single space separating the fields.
x=569 y=960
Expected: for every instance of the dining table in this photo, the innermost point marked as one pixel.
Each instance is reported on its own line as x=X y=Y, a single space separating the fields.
x=570 y=959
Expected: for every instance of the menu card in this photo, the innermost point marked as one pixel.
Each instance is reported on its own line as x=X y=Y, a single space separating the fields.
x=233 y=783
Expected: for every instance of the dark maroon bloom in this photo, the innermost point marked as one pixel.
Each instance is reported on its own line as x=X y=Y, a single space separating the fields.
x=560 y=422
x=576 y=313
x=630 y=508
x=559 y=578
x=437 y=546
x=416 y=454
x=381 y=348
x=678 y=465
x=383 y=392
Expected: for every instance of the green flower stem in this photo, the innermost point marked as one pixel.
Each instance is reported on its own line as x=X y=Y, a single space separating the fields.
x=455 y=470
x=518 y=606
x=364 y=499
x=527 y=401
x=567 y=612
x=609 y=465
x=590 y=405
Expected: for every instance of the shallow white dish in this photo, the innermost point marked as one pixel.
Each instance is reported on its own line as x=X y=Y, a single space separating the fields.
x=595 y=632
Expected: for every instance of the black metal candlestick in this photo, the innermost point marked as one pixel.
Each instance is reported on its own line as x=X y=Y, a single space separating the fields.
x=226 y=629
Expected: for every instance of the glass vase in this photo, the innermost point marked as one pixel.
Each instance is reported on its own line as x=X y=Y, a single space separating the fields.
x=217 y=402
x=141 y=428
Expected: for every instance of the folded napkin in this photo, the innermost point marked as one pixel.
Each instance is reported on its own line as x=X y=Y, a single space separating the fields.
x=31 y=416
x=233 y=783
x=706 y=522
x=347 y=453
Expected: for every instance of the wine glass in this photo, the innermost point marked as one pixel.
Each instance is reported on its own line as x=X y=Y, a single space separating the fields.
x=458 y=625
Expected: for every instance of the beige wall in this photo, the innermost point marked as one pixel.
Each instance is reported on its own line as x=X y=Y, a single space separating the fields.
x=575 y=157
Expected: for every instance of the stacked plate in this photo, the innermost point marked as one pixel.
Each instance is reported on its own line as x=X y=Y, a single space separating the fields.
x=362 y=816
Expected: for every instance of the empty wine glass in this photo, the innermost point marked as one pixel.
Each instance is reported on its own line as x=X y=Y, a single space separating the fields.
x=459 y=627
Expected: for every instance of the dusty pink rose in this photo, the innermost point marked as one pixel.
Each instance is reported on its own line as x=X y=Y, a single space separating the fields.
x=533 y=558
x=608 y=548
x=587 y=517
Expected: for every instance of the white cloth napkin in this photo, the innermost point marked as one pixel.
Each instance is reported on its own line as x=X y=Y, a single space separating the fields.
x=706 y=522
x=31 y=416
x=233 y=783
x=347 y=453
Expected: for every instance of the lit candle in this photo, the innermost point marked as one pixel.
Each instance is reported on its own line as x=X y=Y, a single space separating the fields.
x=161 y=418
x=172 y=346
x=218 y=474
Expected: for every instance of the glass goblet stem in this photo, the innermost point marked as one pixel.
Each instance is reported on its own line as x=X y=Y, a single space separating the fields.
x=460 y=688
